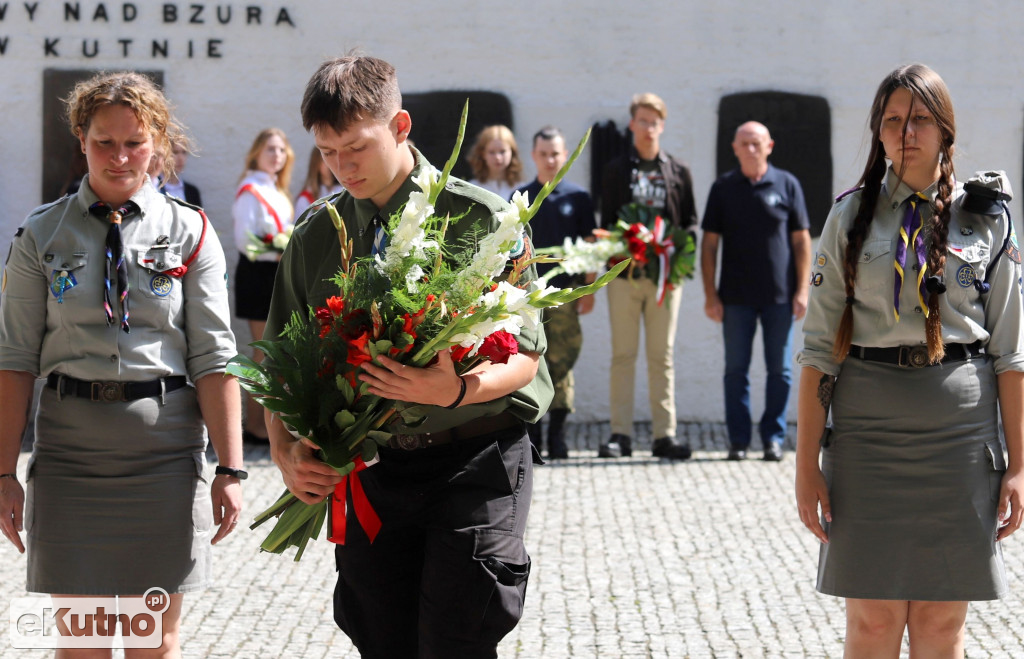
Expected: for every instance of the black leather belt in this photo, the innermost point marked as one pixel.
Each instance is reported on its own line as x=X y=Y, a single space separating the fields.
x=916 y=356
x=469 y=430
x=113 y=392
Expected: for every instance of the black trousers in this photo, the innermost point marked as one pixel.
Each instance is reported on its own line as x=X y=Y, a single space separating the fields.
x=446 y=576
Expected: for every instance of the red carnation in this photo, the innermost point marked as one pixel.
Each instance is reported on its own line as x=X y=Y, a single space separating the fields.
x=498 y=347
x=458 y=353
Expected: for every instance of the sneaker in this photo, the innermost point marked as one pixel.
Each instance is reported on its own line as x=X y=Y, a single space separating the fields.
x=617 y=446
x=667 y=447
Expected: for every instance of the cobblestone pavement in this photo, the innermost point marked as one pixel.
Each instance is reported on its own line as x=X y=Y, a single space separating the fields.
x=633 y=557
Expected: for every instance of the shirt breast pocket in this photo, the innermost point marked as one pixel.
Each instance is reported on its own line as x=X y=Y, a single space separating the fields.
x=67 y=274
x=152 y=282
x=966 y=263
x=875 y=269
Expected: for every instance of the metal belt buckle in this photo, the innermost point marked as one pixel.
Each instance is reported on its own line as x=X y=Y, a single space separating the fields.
x=407 y=442
x=913 y=356
x=107 y=392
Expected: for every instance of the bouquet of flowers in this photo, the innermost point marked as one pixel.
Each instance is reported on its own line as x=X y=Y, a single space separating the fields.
x=641 y=237
x=421 y=297
x=268 y=243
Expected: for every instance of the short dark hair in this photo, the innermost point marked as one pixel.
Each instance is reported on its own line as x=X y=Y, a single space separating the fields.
x=548 y=132
x=348 y=89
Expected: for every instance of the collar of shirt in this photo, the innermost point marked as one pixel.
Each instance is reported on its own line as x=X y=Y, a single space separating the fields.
x=897 y=191
x=174 y=189
x=366 y=209
x=143 y=197
x=260 y=177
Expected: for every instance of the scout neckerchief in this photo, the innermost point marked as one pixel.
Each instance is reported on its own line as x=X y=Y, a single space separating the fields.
x=910 y=234
x=380 y=238
x=115 y=258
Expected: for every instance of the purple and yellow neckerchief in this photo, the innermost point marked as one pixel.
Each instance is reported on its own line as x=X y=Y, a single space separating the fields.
x=115 y=258
x=911 y=232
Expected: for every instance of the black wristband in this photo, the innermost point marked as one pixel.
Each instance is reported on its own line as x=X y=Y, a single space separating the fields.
x=462 y=394
x=228 y=471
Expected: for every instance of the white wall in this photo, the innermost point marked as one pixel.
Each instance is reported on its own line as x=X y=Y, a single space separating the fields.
x=570 y=63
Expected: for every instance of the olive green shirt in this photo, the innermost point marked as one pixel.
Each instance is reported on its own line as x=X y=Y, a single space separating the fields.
x=313 y=258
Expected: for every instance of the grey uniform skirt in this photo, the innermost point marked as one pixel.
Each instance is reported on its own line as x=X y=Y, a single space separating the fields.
x=913 y=465
x=116 y=501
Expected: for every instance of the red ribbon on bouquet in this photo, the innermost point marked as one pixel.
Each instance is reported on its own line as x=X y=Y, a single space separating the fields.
x=365 y=514
x=663 y=248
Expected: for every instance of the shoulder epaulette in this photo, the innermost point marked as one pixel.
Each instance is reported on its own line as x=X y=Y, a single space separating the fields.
x=849 y=192
x=182 y=202
x=47 y=206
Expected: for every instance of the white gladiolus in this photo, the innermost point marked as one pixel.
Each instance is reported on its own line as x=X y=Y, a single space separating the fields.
x=427 y=177
x=412 y=278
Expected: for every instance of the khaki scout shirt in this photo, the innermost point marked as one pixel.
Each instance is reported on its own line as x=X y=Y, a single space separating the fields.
x=179 y=325
x=313 y=258
x=993 y=318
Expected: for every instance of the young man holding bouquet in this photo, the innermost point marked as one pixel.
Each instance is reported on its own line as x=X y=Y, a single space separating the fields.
x=446 y=573
x=645 y=180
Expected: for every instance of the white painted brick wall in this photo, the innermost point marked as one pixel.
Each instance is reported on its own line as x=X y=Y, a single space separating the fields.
x=569 y=63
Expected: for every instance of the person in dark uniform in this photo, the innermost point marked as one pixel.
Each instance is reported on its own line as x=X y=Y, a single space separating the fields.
x=567 y=212
x=913 y=342
x=446 y=575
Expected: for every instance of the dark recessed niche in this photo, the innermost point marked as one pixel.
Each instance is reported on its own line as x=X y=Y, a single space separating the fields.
x=435 y=123
x=801 y=126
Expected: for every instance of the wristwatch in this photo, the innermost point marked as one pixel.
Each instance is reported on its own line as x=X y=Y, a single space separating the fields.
x=228 y=471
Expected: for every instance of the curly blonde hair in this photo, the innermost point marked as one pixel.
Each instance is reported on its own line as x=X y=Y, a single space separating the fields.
x=136 y=92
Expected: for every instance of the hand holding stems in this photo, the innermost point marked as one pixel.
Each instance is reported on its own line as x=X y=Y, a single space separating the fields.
x=305 y=475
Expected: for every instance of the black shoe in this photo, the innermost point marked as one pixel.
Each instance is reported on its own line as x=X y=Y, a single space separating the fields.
x=667 y=447
x=773 y=453
x=618 y=446
x=557 y=450
x=737 y=454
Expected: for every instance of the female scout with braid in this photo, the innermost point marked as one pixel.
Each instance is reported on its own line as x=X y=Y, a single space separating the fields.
x=913 y=334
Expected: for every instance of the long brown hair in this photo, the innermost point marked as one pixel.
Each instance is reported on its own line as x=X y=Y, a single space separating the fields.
x=313 y=180
x=284 y=177
x=928 y=88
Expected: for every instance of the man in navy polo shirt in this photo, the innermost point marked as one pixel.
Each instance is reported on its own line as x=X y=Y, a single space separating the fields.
x=567 y=212
x=758 y=215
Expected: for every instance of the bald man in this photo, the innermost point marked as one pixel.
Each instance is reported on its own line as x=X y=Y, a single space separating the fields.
x=757 y=214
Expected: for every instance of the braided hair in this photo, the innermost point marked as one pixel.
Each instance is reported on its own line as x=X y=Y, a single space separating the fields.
x=929 y=89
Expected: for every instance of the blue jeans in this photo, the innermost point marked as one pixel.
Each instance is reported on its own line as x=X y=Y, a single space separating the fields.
x=738 y=326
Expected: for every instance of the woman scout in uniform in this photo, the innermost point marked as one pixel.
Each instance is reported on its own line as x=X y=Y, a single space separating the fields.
x=262 y=208
x=116 y=295
x=913 y=340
